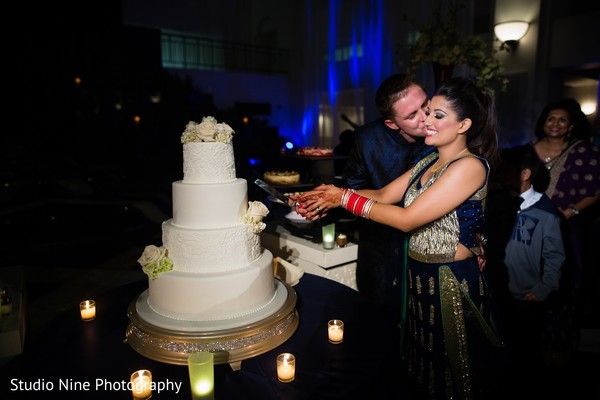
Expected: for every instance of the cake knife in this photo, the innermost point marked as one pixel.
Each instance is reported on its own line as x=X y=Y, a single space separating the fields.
x=274 y=192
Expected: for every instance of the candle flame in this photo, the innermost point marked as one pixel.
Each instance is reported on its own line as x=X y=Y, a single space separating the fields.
x=203 y=386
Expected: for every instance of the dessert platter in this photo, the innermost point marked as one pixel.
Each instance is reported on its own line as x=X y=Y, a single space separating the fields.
x=315 y=151
x=282 y=178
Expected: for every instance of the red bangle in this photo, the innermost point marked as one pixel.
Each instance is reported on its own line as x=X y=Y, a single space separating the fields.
x=357 y=204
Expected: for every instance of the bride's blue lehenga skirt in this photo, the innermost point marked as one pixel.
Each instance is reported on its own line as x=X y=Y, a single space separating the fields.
x=452 y=349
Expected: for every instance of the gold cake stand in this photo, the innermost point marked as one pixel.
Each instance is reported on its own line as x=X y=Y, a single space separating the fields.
x=229 y=346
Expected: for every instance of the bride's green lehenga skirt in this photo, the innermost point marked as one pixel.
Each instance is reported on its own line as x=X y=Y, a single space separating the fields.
x=452 y=349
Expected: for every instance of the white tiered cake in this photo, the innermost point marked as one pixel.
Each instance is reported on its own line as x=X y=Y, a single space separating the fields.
x=211 y=273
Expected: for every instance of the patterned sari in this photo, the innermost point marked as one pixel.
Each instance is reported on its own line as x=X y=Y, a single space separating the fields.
x=574 y=174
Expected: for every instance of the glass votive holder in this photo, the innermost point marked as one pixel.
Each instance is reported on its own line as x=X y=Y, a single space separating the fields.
x=335 y=331
x=342 y=240
x=202 y=375
x=286 y=367
x=141 y=384
x=87 y=309
x=328 y=236
x=6 y=304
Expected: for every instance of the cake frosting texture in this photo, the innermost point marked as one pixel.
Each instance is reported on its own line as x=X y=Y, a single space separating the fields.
x=214 y=296
x=210 y=250
x=211 y=265
x=208 y=162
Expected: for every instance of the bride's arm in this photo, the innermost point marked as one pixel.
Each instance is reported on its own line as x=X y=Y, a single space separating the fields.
x=457 y=184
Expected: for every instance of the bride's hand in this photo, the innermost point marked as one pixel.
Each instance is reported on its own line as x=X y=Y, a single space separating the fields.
x=316 y=203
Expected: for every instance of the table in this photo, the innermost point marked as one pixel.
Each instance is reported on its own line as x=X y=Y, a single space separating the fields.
x=365 y=365
x=338 y=264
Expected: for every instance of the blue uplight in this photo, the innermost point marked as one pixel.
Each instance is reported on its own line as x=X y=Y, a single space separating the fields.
x=360 y=61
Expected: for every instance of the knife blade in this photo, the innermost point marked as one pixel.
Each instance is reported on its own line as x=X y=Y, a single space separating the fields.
x=275 y=193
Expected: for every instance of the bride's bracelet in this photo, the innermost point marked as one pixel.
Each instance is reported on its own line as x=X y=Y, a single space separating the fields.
x=356 y=204
x=345 y=194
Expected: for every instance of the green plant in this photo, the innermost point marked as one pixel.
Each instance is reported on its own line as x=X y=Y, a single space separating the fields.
x=442 y=43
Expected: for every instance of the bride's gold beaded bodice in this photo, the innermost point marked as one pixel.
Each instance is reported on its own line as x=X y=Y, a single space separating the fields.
x=437 y=241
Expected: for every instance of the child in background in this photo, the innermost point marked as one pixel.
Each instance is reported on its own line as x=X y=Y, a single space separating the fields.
x=534 y=256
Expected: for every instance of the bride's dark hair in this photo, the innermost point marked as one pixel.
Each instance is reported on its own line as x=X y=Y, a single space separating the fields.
x=467 y=100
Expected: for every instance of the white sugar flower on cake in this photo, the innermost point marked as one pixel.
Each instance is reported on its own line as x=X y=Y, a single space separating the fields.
x=254 y=216
x=154 y=261
x=209 y=130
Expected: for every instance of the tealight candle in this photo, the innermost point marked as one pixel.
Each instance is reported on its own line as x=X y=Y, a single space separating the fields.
x=335 y=331
x=141 y=384
x=342 y=240
x=87 y=308
x=286 y=367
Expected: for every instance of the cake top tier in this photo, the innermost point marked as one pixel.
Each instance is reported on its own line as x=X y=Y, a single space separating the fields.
x=209 y=130
x=208 y=152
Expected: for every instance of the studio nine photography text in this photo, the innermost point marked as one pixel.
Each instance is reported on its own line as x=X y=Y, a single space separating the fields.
x=98 y=384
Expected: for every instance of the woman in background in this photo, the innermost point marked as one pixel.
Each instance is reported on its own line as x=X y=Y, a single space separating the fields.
x=564 y=145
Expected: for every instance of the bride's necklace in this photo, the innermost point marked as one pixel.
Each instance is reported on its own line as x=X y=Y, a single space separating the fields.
x=435 y=167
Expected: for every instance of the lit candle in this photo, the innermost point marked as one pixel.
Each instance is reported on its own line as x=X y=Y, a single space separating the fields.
x=342 y=240
x=335 y=331
x=88 y=310
x=141 y=384
x=203 y=389
x=328 y=232
x=5 y=302
x=202 y=375
x=286 y=367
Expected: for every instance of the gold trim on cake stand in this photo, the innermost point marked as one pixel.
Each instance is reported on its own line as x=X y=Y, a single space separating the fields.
x=229 y=346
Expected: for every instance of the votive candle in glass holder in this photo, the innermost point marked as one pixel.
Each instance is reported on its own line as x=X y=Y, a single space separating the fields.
x=328 y=236
x=202 y=375
x=286 y=367
x=87 y=308
x=141 y=384
x=335 y=331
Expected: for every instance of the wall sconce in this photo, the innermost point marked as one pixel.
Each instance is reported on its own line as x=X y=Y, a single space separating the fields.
x=588 y=107
x=511 y=32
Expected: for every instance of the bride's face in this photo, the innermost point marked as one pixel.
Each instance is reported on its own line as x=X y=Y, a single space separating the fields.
x=442 y=124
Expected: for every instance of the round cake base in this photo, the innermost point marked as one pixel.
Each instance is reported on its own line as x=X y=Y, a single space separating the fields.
x=229 y=346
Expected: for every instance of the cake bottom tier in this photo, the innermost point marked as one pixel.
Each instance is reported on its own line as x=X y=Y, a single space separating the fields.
x=216 y=296
x=231 y=341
